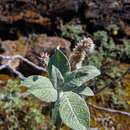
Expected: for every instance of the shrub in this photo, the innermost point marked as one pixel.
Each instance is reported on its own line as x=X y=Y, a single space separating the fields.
x=64 y=87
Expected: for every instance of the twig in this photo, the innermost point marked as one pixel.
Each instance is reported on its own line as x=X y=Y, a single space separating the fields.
x=2 y=67
x=20 y=75
x=10 y=59
x=113 y=82
x=24 y=95
x=30 y=63
x=110 y=110
x=23 y=59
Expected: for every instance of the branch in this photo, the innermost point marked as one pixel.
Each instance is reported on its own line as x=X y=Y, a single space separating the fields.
x=113 y=82
x=2 y=67
x=23 y=59
x=20 y=75
x=110 y=110
x=30 y=63
x=24 y=95
x=10 y=59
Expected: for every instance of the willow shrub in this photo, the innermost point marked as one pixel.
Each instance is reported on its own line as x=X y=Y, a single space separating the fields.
x=64 y=88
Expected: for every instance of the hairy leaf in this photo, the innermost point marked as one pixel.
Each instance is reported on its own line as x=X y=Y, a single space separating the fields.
x=78 y=77
x=83 y=90
x=87 y=92
x=60 y=61
x=41 y=87
x=56 y=78
x=74 y=111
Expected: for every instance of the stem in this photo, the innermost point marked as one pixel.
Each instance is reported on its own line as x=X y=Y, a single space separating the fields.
x=55 y=113
x=58 y=122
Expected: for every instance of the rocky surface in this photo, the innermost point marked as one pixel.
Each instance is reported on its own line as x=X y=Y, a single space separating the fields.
x=32 y=48
x=27 y=16
x=42 y=16
x=101 y=13
x=36 y=11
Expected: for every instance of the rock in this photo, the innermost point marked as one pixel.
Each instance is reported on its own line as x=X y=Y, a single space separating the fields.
x=100 y=13
x=125 y=11
x=36 y=11
x=32 y=48
x=40 y=45
x=65 y=8
x=27 y=11
x=11 y=48
x=43 y=43
x=125 y=28
x=23 y=16
x=39 y=16
x=35 y=44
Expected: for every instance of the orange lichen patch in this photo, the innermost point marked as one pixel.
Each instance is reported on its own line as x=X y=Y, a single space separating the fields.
x=23 y=89
x=30 y=14
x=2 y=84
x=41 y=21
x=14 y=18
x=30 y=17
x=4 y=77
x=33 y=17
x=3 y=80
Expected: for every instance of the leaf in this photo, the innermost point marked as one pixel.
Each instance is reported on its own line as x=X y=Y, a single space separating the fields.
x=41 y=87
x=60 y=61
x=78 y=89
x=74 y=111
x=83 y=90
x=57 y=78
x=78 y=77
x=87 y=92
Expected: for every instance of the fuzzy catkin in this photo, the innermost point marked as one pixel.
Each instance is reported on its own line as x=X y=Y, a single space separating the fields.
x=80 y=52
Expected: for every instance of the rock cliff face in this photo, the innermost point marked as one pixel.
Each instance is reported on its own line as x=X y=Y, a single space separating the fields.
x=34 y=15
x=40 y=16
x=101 y=13
x=36 y=11
x=126 y=10
x=40 y=11
x=26 y=10
x=22 y=15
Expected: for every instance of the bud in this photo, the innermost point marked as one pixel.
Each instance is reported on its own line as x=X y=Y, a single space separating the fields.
x=83 y=49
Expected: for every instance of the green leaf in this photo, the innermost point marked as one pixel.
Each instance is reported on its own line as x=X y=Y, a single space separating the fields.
x=60 y=61
x=74 y=111
x=87 y=92
x=78 y=89
x=78 y=77
x=83 y=90
x=56 y=78
x=41 y=87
